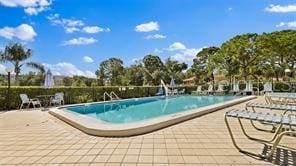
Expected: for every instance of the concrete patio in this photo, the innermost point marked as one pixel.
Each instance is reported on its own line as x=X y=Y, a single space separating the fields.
x=36 y=137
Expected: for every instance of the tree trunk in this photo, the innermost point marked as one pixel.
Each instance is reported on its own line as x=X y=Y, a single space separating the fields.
x=17 y=73
x=213 y=80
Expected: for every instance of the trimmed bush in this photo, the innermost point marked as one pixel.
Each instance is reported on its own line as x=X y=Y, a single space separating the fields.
x=73 y=95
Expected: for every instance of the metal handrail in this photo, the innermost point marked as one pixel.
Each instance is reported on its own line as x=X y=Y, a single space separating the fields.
x=107 y=94
x=114 y=94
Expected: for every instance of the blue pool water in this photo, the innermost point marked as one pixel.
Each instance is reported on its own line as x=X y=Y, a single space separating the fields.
x=132 y=110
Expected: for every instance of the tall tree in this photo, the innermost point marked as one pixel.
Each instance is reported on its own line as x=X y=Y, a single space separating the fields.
x=111 y=71
x=245 y=52
x=204 y=64
x=226 y=62
x=174 y=69
x=279 y=50
x=153 y=69
x=18 y=55
x=134 y=74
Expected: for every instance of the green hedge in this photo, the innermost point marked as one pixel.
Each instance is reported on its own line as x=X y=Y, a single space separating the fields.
x=75 y=95
x=72 y=94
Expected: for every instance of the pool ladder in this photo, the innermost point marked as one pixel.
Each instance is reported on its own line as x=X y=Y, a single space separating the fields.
x=111 y=96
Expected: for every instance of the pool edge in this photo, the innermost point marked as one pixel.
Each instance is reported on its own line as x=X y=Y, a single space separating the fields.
x=99 y=128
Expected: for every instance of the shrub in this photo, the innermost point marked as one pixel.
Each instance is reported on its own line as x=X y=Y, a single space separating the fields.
x=73 y=94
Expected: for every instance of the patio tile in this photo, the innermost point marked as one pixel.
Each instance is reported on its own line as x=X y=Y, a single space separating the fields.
x=35 y=137
x=175 y=159
x=145 y=159
x=72 y=159
x=115 y=158
x=160 y=159
x=102 y=158
x=191 y=159
x=131 y=158
x=87 y=159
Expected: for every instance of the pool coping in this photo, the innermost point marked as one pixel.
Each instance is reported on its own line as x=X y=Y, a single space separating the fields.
x=98 y=127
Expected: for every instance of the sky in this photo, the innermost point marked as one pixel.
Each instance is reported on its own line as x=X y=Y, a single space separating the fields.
x=72 y=37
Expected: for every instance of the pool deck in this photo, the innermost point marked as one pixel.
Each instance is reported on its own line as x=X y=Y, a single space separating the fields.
x=36 y=137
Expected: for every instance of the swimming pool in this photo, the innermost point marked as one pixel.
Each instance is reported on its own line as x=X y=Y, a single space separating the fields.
x=140 y=115
x=133 y=110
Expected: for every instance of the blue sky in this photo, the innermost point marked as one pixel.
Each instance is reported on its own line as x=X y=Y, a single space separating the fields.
x=72 y=36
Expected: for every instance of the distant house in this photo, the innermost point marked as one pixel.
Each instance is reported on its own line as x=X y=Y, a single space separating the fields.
x=219 y=77
x=189 y=81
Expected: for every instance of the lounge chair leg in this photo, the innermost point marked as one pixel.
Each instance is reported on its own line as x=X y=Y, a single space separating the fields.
x=275 y=144
x=234 y=142
x=258 y=139
x=260 y=129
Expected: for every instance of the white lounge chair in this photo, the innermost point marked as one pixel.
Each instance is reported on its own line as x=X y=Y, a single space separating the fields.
x=58 y=99
x=175 y=91
x=280 y=98
x=249 y=88
x=182 y=92
x=198 y=90
x=235 y=88
x=220 y=89
x=267 y=87
x=27 y=101
x=280 y=120
x=210 y=89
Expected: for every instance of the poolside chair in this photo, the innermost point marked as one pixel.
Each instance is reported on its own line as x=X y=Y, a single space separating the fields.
x=160 y=92
x=235 y=88
x=58 y=99
x=182 y=92
x=267 y=87
x=281 y=120
x=220 y=89
x=210 y=89
x=198 y=90
x=282 y=107
x=280 y=98
x=279 y=107
x=27 y=101
x=248 y=89
x=175 y=91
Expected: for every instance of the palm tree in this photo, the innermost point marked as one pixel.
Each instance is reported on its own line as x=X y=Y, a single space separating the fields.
x=16 y=54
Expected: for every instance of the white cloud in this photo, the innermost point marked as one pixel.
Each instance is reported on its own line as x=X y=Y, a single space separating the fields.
x=70 y=25
x=291 y=24
x=88 y=59
x=281 y=9
x=176 y=46
x=31 y=7
x=158 y=50
x=94 y=29
x=68 y=69
x=155 y=36
x=80 y=41
x=230 y=9
x=181 y=52
x=23 y=32
x=2 y=69
x=147 y=27
x=71 y=29
x=74 y=25
x=186 y=55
